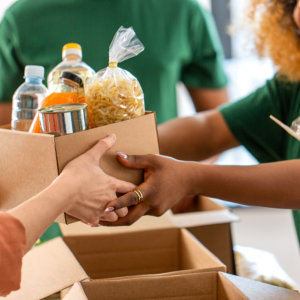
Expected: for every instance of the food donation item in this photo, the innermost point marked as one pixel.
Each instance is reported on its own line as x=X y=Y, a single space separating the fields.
x=114 y=94
x=72 y=62
x=65 y=92
x=64 y=118
x=27 y=98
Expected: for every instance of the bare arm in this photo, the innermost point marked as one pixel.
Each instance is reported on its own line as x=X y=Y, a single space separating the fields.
x=167 y=181
x=36 y=214
x=196 y=138
x=206 y=99
x=5 y=113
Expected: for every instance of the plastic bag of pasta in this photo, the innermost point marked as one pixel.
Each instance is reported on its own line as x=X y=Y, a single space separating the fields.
x=114 y=94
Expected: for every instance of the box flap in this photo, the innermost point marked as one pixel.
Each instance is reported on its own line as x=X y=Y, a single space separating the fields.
x=47 y=269
x=144 y=223
x=204 y=212
x=34 y=152
x=76 y=293
x=141 y=140
x=202 y=218
x=254 y=289
x=201 y=285
x=184 y=287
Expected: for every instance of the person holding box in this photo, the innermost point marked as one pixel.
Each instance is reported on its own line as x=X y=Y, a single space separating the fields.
x=272 y=183
x=82 y=190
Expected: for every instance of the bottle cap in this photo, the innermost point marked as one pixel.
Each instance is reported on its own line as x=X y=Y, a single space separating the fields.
x=36 y=71
x=72 y=76
x=71 y=49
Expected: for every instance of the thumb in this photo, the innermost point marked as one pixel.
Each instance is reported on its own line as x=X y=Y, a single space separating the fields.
x=123 y=186
x=102 y=146
x=136 y=161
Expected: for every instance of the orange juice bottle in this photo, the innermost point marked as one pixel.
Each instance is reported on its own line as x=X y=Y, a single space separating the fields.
x=65 y=92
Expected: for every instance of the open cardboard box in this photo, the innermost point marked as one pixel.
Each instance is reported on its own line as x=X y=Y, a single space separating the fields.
x=210 y=222
x=58 y=264
x=30 y=162
x=206 y=286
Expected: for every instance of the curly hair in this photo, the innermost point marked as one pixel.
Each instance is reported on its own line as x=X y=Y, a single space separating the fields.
x=276 y=35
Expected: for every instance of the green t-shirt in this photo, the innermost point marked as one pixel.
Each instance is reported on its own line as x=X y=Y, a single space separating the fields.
x=180 y=38
x=248 y=119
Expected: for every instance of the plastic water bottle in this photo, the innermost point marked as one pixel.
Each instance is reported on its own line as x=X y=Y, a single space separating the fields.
x=27 y=98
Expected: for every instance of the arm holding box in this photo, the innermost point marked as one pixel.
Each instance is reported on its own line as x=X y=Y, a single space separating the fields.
x=82 y=190
x=168 y=180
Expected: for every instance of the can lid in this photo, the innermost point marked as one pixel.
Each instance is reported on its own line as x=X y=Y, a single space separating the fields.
x=72 y=76
x=71 y=49
x=33 y=70
x=62 y=108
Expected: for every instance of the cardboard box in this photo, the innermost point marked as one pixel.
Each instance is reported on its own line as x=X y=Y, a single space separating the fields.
x=58 y=264
x=206 y=286
x=144 y=223
x=30 y=162
x=210 y=223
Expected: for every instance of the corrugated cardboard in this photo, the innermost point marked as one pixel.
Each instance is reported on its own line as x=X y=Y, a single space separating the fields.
x=46 y=270
x=52 y=267
x=206 y=286
x=141 y=252
x=30 y=162
x=210 y=223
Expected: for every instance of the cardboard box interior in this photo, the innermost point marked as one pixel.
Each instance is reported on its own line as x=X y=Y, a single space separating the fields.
x=58 y=264
x=210 y=223
x=207 y=285
x=141 y=252
x=32 y=161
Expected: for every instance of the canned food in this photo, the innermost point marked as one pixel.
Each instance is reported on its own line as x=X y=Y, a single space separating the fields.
x=64 y=118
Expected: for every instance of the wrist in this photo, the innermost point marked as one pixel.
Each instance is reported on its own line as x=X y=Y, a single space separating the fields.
x=195 y=177
x=63 y=191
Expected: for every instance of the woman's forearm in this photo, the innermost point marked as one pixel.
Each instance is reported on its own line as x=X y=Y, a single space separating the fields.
x=271 y=185
x=38 y=213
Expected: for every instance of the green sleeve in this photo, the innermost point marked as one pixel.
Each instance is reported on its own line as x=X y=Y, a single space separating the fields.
x=11 y=70
x=206 y=66
x=249 y=121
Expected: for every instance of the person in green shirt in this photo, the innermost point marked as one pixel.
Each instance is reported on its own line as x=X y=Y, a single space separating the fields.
x=180 y=39
x=274 y=182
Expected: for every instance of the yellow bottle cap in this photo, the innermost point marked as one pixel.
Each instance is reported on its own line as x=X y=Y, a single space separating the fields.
x=71 y=49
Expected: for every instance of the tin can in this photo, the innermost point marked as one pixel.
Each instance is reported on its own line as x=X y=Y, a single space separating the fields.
x=64 y=118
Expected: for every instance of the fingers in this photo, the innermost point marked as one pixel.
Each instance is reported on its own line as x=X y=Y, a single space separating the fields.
x=101 y=147
x=110 y=217
x=129 y=199
x=136 y=161
x=134 y=214
x=122 y=212
x=123 y=186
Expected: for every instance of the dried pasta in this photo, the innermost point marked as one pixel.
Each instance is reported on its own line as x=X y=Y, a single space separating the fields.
x=112 y=100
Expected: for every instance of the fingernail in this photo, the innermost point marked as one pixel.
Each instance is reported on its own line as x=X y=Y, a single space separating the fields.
x=109 y=209
x=123 y=155
x=112 y=136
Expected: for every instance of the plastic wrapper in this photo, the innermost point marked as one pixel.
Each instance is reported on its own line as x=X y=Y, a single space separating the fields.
x=261 y=265
x=114 y=94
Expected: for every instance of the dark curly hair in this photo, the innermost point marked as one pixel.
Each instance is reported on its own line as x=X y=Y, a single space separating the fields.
x=276 y=34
